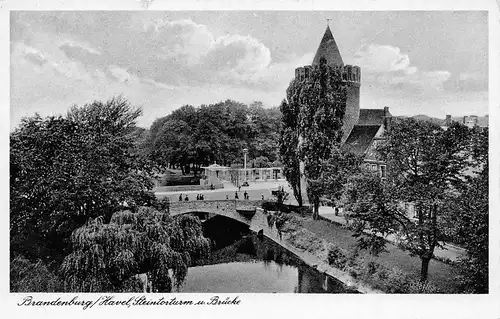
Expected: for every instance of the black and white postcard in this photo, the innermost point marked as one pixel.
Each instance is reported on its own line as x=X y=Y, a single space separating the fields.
x=213 y=159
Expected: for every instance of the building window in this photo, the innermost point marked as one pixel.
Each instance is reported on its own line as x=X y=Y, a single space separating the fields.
x=382 y=171
x=374 y=167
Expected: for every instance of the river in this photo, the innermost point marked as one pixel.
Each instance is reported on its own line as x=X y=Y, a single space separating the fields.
x=248 y=264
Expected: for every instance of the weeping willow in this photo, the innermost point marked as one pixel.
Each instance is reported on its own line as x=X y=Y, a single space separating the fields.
x=106 y=257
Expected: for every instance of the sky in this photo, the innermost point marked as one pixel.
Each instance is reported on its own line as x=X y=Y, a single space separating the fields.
x=414 y=62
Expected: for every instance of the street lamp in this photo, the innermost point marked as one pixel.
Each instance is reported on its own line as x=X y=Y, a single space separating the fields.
x=245 y=151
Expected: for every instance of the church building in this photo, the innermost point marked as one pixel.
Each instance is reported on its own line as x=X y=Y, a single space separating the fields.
x=362 y=128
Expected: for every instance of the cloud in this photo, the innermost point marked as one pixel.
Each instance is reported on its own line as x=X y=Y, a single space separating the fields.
x=181 y=40
x=243 y=56
x=121 y=74
x=382 y=58
x=35 y=57
x=386 y=64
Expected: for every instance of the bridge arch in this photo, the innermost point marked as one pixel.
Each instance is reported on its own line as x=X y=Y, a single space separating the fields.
x=228 y=208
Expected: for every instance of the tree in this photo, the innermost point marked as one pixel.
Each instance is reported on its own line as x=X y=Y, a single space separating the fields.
x=467 y=218
x=280 y=196
x=337 y=169
x=65 y=170
x=425 y=166
x=173 y=144
x=289 y=140
x=261 y=161
x=321 y=102
x=108 y=256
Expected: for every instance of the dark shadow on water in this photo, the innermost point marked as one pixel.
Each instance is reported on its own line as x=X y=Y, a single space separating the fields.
x=236 y=244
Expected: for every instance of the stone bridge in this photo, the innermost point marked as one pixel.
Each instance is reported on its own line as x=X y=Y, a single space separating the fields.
x=257 y=222
x=234 y=209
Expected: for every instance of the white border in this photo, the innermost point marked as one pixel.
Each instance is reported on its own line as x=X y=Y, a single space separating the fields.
x=276 y=305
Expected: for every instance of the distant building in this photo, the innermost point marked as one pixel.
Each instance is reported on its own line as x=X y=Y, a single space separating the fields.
x=470 y=121
x=215 y=174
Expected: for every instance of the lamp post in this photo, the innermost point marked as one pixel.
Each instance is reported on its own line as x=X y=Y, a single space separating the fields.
x=245 y=151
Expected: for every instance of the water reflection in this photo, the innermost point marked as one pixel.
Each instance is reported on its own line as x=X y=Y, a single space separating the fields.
x=252 y=265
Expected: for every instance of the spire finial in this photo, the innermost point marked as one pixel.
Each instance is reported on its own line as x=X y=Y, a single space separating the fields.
x=328 y=22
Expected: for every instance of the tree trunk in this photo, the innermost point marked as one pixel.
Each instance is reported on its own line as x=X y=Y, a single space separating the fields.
x=316 y=209
x=424 y=270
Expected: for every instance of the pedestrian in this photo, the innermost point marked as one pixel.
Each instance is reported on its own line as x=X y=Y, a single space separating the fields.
x=245 y=194
x=262 y=196
x=186 y=198
x=227 y=196
x=270 y=220
x=239 y=188
x=235 y=195
x=180 y=197
x=336 y=211
x=197 y=196
x=202 y=197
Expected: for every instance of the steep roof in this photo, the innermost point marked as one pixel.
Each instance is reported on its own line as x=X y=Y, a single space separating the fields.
x=371 y=117
x=328 y=49
x=360 y=138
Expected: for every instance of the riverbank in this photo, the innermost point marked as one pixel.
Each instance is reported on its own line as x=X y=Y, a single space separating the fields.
x=393 y=271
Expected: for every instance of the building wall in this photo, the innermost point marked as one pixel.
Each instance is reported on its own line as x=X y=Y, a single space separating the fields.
x=351 y=115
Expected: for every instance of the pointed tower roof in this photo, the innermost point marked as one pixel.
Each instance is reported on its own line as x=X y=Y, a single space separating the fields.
x=328 y=49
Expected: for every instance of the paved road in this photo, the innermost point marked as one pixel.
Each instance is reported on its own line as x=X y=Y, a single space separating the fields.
x=451 y=252
x=254 y=190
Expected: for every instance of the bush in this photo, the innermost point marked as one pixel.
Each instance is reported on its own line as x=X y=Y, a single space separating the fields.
x=417 y=287
x=397 y=282
x=303 y=211
x=352 y=257
x=27 y=276
x=274 y=206
x=337 y=257
x=269 y=205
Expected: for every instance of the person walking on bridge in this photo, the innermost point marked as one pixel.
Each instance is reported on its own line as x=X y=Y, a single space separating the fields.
x=235 y=195
x=180 y=197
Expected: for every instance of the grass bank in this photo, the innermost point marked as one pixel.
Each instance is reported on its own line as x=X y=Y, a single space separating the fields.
x=394 y=271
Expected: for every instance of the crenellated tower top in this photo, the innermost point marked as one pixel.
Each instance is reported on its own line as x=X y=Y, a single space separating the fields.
x=329 y=50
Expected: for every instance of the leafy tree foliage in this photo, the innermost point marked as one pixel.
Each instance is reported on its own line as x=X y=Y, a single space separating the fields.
x=337 y=169
x=217 y=132
x=280 y=196
x=289 y=147
x=425 y=166
x=467 y=218
x=65 y=170
x=108 y=256
x=314 y=110
x=28 y=276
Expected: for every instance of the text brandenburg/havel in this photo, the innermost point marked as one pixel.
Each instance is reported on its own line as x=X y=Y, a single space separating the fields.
x=127 y=302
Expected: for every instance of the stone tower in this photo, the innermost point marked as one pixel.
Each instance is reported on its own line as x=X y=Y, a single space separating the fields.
x=351 y=76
